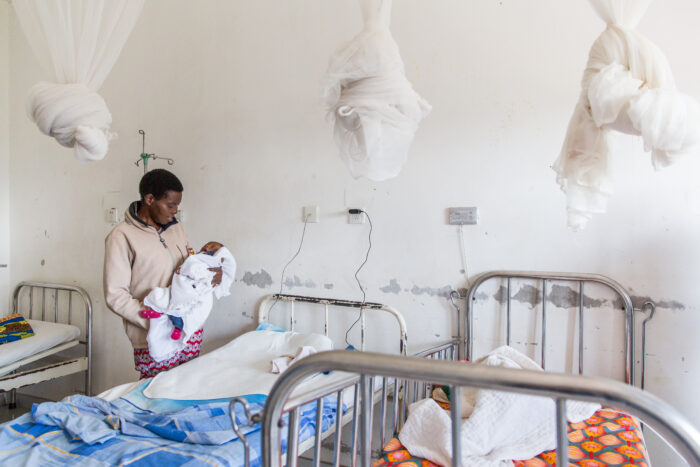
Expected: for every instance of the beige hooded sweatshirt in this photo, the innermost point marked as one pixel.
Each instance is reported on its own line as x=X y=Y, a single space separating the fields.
x=137 y=259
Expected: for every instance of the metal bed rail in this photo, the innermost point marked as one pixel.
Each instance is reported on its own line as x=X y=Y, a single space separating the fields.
x=546 y=278
x=264 y=312
x=393 y=398
x=680 y=434
x=40 y=312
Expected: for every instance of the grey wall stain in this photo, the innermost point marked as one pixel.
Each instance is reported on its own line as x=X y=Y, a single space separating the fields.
x=393 y=287
x=296 y=282
x=638 y=301
x=442 y=292
x=501 y=294
x=481 y=296
x=566 y=297
x=328 y=286
x=559 y=295
x=528 y=294
x=260 y=279
x=563 y=296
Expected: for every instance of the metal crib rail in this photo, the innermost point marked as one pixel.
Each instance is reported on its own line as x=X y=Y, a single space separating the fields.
x=545 y=277
x=56 y=288
x=680 y=434
x=264 y=311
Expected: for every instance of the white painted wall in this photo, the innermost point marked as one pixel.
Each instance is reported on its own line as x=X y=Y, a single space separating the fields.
x=5 y=11
x=230 y=91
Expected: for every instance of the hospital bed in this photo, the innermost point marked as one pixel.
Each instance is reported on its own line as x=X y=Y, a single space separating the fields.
x=56 y=313
x=413 y=381
x=111 y=430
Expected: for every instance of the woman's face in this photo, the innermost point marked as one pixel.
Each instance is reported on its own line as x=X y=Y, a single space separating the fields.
x=163 y=210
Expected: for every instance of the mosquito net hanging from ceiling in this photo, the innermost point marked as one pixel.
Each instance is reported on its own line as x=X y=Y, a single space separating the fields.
x=627 y=87
x=79 y=41
x=373 y=106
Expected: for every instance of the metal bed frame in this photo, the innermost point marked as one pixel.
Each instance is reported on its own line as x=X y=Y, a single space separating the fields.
x=467 y=343
x=678 y=432
x=264 y=312
x=388 y=389
x=267 y=305
x=410 y=385
x=64 y=366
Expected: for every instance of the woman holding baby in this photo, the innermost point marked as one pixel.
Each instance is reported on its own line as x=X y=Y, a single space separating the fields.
x=141 y=253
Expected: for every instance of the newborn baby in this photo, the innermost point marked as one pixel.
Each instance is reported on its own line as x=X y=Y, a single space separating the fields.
x=180 y=310
x=210 y=249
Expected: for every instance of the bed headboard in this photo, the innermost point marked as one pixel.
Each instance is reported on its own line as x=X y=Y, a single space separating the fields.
x=268 y=302
x=545 y=279
x=55 y=303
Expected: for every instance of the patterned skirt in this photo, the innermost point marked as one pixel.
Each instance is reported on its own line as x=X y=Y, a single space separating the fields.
x=149 y=367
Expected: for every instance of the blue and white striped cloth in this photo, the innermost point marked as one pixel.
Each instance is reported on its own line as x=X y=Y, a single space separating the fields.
x=88 y=431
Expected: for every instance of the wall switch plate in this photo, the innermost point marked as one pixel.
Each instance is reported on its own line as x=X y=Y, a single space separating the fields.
x=311 y=214
x=112 y=216
x=463 y=216
x=180 y=215
x=356 y=218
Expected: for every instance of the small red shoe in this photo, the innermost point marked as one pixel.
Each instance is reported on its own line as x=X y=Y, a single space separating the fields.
x=148 y=314
x=176 y=334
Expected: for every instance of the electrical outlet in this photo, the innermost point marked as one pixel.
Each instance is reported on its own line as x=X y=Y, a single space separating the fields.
x=112 y=216
x=311 y=214
x=463 y=216
x=356 y=218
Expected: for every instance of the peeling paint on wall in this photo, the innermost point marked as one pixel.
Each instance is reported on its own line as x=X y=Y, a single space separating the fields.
x=638 y=301
x=566 y=297
x=260 y=279
x=481 y=296
x=442 y=292
x=530 y=295
x=560 y=296
x=296 y=282
x=393 y=287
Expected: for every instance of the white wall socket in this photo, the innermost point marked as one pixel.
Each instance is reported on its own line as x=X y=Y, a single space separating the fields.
x=112 y=216
x=463 y=216
x=311 y=214
x=356 y=218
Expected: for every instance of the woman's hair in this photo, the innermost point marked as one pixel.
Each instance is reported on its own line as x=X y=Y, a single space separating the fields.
x=157 y=182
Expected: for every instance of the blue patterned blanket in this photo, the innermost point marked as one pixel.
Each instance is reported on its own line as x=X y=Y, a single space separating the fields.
x=88 y=431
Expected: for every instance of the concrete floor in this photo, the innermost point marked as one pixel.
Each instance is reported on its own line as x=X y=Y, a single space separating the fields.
x=24 y=405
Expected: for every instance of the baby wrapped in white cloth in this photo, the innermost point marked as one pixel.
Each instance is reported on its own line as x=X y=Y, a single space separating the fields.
x=182 y=308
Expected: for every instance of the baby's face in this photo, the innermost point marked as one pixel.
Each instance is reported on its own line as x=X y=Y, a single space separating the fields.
x=210 y=248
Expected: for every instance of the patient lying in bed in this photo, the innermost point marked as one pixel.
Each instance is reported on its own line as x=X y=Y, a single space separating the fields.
x=176 y=312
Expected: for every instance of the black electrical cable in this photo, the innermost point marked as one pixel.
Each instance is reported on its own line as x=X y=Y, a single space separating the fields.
x=303 y=232
x=369 y=248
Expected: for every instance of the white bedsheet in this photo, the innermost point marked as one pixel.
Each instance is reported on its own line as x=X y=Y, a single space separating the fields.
x=46 y=336
x=240 y=367
x=499 y=426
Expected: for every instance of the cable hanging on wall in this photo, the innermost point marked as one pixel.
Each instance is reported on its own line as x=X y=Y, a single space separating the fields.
x=362 y=289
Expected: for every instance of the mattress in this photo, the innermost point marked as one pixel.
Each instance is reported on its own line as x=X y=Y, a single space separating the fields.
x=46 y=336
x=607 y=438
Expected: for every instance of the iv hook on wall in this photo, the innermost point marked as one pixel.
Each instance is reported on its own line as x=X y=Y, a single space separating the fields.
x=144 y=157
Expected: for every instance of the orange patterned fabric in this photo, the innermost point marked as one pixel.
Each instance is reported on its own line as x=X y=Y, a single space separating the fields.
x=607 y=438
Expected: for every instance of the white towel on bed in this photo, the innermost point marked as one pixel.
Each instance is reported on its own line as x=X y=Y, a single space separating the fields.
x=501 y=426
x=280 y=364
x=190 y=297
